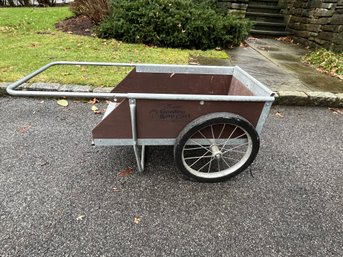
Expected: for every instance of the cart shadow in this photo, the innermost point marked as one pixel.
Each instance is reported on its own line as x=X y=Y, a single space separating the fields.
x=158 y=159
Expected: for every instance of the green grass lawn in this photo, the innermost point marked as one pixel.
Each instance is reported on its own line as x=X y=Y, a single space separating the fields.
x=29 y=40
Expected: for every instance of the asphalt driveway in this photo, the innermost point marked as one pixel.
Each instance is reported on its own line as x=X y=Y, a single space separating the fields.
x=59 y=196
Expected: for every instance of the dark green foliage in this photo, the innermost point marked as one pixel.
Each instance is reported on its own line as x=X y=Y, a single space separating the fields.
x=176 y=23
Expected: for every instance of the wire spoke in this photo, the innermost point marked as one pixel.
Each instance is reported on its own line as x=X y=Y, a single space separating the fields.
x=204 y=137
x=199 y=158
x=236 y=151
x=218 y=165
x=209 y=166
x=193 y=148
x=200 y=145
x=226 y=162
x=190 y=158
x=233 y=148
x=221 y=132
x=209 y=162
x=230 y=158
x=227 y=140
x=212 y=133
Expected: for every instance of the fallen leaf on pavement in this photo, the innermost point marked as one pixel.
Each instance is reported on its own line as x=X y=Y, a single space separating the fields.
x=336 y=110
x=63 y=103
x=96 y=110
x=93 y=101
x=80 y=217
x=279 y=114
x=23 y=130
x=137 y=220
x=126 y=172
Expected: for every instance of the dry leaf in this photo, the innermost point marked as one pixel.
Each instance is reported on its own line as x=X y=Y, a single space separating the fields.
x=23 y=130
x=126 y=172
x=63 y=103
x=137 y=220
x=93 y=101
x=279 y=114
x=96 y=110
x=336 y=110
x=80 y=217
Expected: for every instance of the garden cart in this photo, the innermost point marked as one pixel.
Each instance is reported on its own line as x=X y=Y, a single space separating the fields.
x=212 y=115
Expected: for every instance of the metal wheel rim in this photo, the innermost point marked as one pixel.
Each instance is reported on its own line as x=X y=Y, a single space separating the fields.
x=229 y=169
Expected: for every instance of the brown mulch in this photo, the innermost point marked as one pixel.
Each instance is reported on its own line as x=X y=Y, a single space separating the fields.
x=80 y=25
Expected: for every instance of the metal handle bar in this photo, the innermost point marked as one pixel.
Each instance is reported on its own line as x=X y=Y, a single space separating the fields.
x=154 y=68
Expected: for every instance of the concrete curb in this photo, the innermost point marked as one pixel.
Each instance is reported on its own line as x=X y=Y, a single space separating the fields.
x=296 y=98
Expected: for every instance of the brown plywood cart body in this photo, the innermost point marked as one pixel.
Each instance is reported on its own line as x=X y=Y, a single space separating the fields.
x=213 y=115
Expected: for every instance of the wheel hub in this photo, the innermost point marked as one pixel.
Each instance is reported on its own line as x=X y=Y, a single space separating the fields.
x=216 y=153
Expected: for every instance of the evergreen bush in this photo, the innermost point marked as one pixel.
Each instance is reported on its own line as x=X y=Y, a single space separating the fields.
x=173 y=23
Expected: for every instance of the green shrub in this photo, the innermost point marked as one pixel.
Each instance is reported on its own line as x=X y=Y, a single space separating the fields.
x=96 y=10
x=177 y=23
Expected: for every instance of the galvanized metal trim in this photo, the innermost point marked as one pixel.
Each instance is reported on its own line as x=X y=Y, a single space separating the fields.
x=185 y=69
x=263 y=116
x=189 y=97
x=132 y=104
x=250 y=82
x=128 y=141
x=157 y=141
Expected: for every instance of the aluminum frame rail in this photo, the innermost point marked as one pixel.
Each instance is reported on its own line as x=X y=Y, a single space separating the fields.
x=262 y=92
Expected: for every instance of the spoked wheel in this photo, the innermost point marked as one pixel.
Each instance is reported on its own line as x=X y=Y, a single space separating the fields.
x=216 y=147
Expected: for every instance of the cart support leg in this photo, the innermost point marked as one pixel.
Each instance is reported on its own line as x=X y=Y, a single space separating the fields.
x=139 y=158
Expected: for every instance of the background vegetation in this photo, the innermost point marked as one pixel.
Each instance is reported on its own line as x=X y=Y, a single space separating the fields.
x=96 y=10
x=327 y=61
x=30 y=40
x=188 y=24
x=27 y=2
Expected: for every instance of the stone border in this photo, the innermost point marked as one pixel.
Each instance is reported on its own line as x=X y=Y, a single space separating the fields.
x=309 y=98
x=298 y=98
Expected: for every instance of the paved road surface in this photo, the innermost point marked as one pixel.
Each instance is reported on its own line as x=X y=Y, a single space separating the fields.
x=61 y=197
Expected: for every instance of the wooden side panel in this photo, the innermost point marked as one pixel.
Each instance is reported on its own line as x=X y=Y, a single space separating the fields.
x=138 y=82
x=116 y=124
x=165 y=119
x=238 y=88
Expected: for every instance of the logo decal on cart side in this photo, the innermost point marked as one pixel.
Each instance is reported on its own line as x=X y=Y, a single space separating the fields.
x=169 y=112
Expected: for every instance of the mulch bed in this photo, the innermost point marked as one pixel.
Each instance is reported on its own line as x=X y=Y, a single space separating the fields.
x=80 y=25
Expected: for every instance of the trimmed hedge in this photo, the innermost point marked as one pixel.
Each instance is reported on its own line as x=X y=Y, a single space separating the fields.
x=176 y=23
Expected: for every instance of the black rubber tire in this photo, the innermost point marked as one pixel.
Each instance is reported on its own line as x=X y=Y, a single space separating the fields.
x=208 y=120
